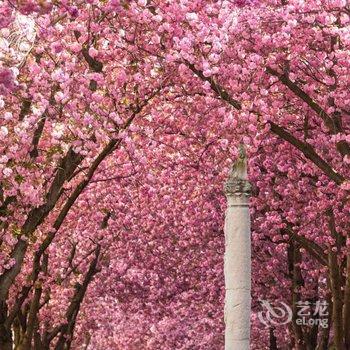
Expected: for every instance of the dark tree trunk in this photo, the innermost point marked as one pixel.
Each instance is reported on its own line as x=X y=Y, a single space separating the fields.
x=337 y=312
x=5 y=332
x=294 y=258
x=273 y=340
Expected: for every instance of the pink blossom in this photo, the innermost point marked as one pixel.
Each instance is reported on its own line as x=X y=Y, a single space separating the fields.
x=93 y=52
x=7 y=172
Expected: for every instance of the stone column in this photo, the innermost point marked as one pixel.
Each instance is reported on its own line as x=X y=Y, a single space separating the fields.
x=237 y=258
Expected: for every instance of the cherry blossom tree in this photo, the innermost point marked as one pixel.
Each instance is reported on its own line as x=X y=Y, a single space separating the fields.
x=119 y=123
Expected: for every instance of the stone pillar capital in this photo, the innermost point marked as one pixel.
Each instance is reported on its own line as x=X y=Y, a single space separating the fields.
x=237 y=188
x=237 y=184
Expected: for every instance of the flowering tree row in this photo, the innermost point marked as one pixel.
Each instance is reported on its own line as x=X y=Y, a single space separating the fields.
x=119 y=122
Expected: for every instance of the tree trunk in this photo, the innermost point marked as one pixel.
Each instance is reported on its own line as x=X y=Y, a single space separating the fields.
x=337 y=312
x=312 y=335
x=32 y=317
x=324 y=336
x=273 y=340
x=5 y=332
x=294 y=258
x=347 y=304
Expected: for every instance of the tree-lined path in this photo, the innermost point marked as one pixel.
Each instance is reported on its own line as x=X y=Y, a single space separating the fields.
x=119 y=124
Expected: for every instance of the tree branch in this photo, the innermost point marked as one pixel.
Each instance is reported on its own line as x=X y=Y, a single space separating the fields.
x=308 y=152
x=215 y=87
x=67 y=329
x=37 y=215
x=334 y=127
x=307 y=149
x=311 y=247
